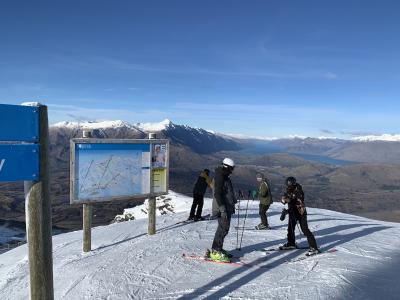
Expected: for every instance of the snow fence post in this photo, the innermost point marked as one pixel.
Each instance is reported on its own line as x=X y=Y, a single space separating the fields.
x=152 y=199
x=38 y=220
x=87 y=214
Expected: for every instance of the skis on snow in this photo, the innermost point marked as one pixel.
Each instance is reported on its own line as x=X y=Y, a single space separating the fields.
x=205 y=259
x=333 y=250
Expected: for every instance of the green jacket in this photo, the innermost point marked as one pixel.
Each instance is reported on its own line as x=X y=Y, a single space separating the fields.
x=264 y=194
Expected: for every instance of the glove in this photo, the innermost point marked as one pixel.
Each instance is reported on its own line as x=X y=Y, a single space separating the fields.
x=254 y=194
x=223 y=213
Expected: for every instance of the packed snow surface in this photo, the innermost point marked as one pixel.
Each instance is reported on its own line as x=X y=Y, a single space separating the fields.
x=126 y=263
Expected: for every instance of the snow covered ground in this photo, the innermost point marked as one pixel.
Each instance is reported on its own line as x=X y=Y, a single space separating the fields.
x=126 y=263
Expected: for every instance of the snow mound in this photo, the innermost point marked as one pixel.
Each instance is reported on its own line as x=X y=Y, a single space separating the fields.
x=127 y=263
x=169 y=204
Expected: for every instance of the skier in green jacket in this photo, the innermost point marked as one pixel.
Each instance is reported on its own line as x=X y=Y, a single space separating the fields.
x=265 y=197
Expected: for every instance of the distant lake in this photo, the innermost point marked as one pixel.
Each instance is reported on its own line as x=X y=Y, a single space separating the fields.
x=265 y=148
x=11 y=230
x=324 y=159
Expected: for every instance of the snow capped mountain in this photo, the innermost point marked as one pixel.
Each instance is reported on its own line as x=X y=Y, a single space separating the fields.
x=126 y=263
x=155 y=127
x=94 y=125
x=251 y=137
x=375 y=138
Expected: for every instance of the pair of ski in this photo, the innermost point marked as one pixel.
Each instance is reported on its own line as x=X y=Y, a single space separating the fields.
x=333 y=250
x=205 y=218
x=240 y=263
x=236 y=261
x=253 y=228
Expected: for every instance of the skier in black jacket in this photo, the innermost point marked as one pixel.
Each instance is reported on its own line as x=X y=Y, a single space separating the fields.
x=226 y=200
x=294 y=197
x=203 y=181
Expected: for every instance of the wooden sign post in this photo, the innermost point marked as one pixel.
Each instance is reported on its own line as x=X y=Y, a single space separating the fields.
x=152 y=200
x=105 y=170
x=24 y=157
x=38 y=221
x=87 y=215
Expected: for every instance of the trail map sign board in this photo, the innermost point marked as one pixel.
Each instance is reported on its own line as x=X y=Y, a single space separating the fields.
x=107 y=169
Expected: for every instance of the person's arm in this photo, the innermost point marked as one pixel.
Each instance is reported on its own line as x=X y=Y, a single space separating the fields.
x=218 y=188
x=299 y=195
x=209 y=181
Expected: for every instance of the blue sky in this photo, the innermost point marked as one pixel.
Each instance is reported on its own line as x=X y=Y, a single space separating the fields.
x=261 y=68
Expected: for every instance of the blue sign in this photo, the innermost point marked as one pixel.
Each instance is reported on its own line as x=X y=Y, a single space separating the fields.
x=19 y=123
x=19 y=162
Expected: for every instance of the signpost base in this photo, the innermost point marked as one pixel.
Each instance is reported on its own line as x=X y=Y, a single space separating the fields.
x=152 y=216
x=87 y=227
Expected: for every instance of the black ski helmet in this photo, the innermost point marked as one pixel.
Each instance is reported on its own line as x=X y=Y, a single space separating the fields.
x=290 y=181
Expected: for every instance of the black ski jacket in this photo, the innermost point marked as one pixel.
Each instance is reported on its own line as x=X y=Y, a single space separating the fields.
x=201 y=185
x=223 y=190
x=295 y=198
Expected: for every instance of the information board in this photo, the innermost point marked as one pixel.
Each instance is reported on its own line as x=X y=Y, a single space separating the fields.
x=106 y=170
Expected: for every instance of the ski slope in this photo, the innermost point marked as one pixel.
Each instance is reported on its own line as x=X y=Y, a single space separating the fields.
x=126 y=263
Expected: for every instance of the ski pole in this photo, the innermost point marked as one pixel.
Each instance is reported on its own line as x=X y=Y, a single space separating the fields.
x=244 y=223
x=237 y=228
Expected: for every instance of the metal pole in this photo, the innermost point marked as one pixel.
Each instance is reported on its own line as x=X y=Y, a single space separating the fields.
x=38 y=221
x=244 y=223
x=87 y=215
x=152 y=199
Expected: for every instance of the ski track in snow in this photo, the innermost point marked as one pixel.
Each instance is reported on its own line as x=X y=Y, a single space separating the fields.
x=126 y=263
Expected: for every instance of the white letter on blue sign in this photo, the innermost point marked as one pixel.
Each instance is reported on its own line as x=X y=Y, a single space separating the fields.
x=2 y=163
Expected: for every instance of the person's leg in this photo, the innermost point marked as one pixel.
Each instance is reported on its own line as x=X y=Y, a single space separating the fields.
x=193 y=208
x=261 y=212
x=304 y=227
x=291 y=227
x=222 y=231
x=214 y=208
x=200 y=201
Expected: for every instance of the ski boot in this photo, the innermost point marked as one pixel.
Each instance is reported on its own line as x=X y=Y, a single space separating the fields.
x=261 y=226
x=312 y=251
x=227 y=253
x=219 y=256
x=287 y=246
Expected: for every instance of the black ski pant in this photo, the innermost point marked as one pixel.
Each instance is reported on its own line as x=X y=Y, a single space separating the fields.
x=263 y=213
x=302 y=219
x=222 y=231
x=198 y=201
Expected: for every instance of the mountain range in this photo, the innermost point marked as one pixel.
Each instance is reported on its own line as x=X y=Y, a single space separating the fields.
x=353 y=176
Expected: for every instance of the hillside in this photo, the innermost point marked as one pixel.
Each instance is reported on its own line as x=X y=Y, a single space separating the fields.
x=126 y=263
